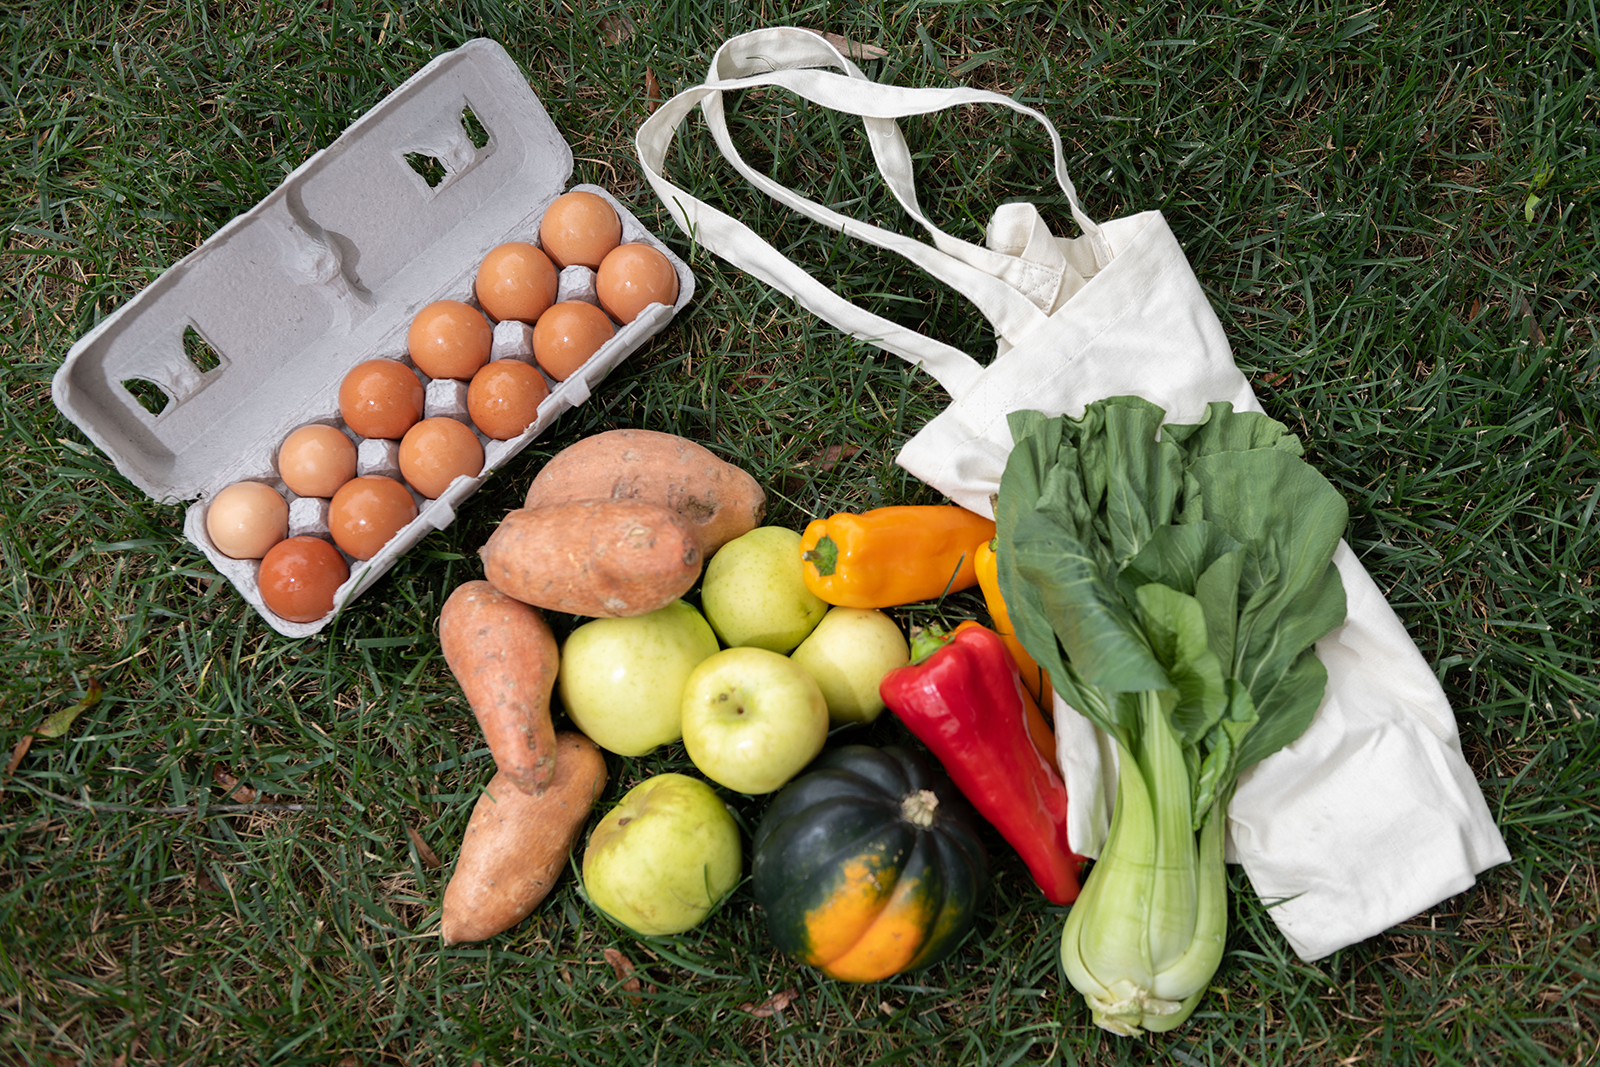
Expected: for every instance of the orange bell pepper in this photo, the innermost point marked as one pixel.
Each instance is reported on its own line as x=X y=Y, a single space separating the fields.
x=891 y=556
x=1034 y=677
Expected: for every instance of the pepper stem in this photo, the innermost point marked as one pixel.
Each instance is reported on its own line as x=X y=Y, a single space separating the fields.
x=926 y=640
x=918 y=807
x=824 y=556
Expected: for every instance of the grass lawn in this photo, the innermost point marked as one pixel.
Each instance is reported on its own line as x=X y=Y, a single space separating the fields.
x=1392 y=208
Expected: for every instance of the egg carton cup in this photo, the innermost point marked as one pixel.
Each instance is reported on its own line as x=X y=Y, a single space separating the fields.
x=248 y=336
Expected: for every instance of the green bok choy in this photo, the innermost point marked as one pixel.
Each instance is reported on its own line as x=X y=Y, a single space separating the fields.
x=1172 y=580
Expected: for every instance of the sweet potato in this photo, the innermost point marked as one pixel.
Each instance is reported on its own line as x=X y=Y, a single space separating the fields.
x=505 y=658
x=601 y=558
x=717 y=499
x=516 y=845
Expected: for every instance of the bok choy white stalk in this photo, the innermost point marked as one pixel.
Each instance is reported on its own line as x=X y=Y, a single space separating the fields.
x=1172 y=580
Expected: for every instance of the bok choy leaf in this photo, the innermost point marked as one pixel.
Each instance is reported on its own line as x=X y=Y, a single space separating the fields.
x=1172 y=579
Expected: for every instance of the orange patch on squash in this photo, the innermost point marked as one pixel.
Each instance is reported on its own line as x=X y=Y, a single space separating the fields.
x=890 y=943
x=838 y=924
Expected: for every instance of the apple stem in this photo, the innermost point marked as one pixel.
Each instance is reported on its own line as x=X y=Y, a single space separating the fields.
x=918 y=807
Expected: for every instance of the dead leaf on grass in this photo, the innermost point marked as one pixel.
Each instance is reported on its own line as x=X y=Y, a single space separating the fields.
x=772 y=1005
x=241 y=794
x=428 y=856
x=615 y=28
x=53 y=726
x=622 y=967
x=652 y=90
x=852 y=49
x=18 y=753
x=59 y=723
x=1526 y=311
x=834 y=455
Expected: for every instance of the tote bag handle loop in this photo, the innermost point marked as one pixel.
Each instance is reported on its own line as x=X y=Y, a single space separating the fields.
x=997 y=283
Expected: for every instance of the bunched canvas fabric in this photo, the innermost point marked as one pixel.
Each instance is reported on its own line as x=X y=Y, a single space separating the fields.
x=1372 y=815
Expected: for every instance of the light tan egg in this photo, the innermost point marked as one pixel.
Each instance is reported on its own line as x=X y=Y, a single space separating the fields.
x=246 y=519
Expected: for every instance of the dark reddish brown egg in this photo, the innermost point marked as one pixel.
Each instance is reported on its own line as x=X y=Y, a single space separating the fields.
x=299 y=577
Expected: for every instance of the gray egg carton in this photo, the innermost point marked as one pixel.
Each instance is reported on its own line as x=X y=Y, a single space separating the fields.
x=247 y=337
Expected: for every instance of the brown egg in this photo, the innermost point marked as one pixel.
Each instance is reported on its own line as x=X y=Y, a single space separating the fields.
x=435 y=452
x=516 y=281
x=631 y=278
x=567 y=335
x=579 y=228
x=504 y=398
x=316 y=460
x=246 y=519
x=380 y=398
x=449 y=339
x=366 y=512
x=299 y=577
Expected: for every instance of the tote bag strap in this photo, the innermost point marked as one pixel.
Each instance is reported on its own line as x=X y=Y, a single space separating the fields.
x=1037 y=282
x=784 y=57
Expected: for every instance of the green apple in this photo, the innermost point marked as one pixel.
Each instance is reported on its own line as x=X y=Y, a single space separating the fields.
x=754 y=592
x=848 y=654
x=663 y=857
x=752 y=719
x=621 y=680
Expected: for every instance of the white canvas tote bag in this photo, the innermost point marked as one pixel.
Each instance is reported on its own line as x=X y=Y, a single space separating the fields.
x=1372 y=816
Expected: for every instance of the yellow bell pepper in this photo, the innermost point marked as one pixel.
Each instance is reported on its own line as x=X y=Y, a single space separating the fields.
x=891 y=556
x=1037 y=681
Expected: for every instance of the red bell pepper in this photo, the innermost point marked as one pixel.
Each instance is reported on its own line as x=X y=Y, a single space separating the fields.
x=962 y=697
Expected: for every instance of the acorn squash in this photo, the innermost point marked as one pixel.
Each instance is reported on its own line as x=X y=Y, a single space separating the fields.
x=869 y=864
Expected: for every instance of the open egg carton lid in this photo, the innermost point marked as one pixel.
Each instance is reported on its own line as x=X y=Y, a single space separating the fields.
x=248 y=336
